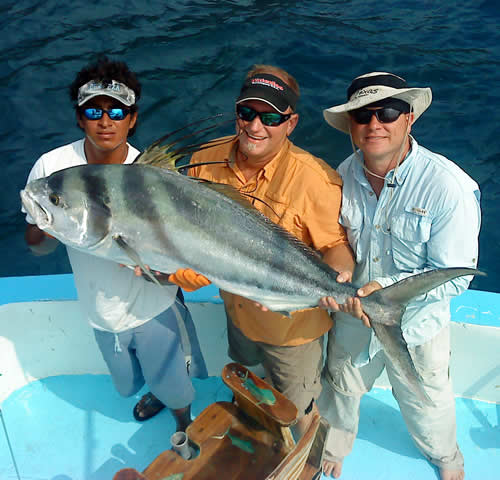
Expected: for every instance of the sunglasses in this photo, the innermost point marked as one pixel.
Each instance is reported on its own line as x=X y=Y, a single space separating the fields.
x=113 y=113
x=363 y=116
x=269 y=119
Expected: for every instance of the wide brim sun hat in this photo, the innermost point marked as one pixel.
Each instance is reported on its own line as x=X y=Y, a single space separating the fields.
x=374 y=87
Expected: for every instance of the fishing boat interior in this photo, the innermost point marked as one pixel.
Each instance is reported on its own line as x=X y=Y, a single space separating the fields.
x=245 y=439
x=62 y=419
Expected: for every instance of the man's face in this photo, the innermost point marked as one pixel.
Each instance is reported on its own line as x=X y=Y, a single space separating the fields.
x=381 y=140
x=259 y=142
x=105 y=134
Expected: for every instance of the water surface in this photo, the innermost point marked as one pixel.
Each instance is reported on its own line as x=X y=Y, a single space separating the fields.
x=191 y=57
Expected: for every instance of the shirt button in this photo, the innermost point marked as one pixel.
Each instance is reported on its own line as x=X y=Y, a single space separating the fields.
x=388 y=252
x=376 y=259
x=370 y=193
x=377 y=227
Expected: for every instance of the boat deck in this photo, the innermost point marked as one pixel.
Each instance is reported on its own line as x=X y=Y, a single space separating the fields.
x=62 y=419
x=77 y=427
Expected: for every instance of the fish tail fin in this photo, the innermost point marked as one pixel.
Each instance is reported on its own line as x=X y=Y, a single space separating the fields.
x=404 y=291
x=396 y=349
x=387 y=326
x=165 y=156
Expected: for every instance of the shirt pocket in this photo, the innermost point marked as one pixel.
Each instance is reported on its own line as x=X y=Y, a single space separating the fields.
x=351 y=219
x=409 y=236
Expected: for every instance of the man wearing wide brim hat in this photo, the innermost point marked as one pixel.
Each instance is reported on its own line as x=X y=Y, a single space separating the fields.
x=406 y=210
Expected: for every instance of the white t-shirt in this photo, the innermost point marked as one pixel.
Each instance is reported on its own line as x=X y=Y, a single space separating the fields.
x=113 y=297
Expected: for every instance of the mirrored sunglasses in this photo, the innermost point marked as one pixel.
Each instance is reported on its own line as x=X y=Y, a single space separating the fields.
x=363 y=116
x=269 y=119
x=113 y=113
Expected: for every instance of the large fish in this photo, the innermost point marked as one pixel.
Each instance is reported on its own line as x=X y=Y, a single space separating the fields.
x=142 y=214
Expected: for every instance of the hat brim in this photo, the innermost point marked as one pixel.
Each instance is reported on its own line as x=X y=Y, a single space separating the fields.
x=418 y=98
x=106 y=93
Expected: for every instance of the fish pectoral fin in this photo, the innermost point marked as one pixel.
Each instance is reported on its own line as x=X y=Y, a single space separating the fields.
x=134 y=257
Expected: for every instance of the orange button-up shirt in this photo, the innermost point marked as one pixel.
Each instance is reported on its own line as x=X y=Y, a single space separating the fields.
x=304 y=194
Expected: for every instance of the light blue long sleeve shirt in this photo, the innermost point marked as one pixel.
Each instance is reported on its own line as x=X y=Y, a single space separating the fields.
x=429 y=219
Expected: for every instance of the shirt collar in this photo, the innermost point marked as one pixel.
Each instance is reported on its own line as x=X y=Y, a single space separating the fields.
x=403 y=168
x=268 y=170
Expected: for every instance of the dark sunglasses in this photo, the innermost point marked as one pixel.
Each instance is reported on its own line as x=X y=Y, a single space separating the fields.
x=113 y=113
x=269 y=119
x=363 y=116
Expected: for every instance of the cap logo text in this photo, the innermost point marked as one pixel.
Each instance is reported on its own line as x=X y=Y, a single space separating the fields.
x=267 y=83
x=365 y=91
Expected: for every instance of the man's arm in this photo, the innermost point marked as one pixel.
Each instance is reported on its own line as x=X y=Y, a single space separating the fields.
x=341 y=259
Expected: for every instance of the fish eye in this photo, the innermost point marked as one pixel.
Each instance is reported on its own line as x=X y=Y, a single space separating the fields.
x=54 y=199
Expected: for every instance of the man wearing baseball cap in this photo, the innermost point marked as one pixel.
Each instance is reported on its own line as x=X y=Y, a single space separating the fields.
x=302 y=194
x=406 y=210
x=144 y=330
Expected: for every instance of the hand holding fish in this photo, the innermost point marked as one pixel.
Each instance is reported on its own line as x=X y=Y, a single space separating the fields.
x=352 y=305
x=188 y=279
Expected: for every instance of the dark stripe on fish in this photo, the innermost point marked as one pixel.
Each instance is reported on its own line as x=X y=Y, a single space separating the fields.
x=97 y=191
x=137 y=197
x=96 y=187
x=138 y=201
x=56 y=182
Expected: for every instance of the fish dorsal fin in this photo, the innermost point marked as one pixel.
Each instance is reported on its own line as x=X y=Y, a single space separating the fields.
x=232 y=192
x=164 y=156
x=242 y=199
x=229 y=192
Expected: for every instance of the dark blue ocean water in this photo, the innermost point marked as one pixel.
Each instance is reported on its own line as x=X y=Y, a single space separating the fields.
x=191 y=57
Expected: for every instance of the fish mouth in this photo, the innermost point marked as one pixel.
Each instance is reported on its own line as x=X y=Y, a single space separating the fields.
x=40 y=215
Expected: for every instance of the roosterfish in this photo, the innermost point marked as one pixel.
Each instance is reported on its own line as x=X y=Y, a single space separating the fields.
x=148 y=213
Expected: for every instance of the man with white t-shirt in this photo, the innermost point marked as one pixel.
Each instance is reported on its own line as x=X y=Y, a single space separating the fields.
x=144 y=330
